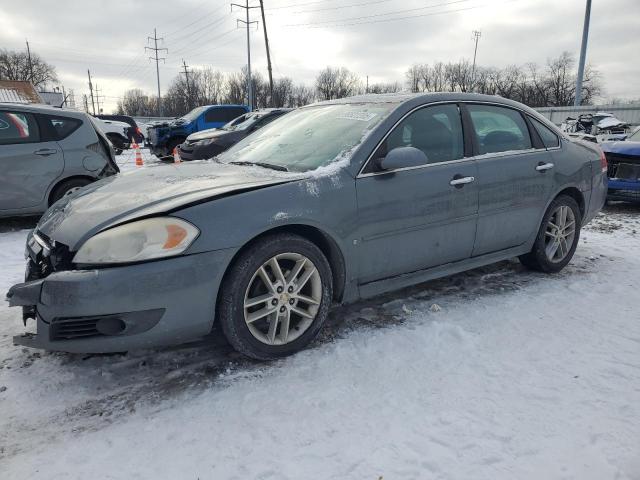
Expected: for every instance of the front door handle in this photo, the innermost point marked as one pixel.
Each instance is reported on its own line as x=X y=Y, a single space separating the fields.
x=543 y=167
x=459 y=181
x=45 y=151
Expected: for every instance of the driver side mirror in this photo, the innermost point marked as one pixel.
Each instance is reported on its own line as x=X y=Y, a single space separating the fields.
x=403 y=157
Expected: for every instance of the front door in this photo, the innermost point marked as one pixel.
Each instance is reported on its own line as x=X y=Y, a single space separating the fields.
x=515 y=178
x=420 y=217
x=28 y=165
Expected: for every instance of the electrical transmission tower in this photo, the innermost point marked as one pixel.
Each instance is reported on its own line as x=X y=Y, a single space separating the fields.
x=186 y=75
x=247 y=23
x=476 y=36
x=155 y=49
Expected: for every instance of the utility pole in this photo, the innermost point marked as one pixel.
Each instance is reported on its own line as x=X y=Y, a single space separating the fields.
x=93 y=105
x=266 y=42
x=247 y=24
x=85 y=102
x=476 y=36
x=367 y=89
x=64 y=97
x=98 y=99
x=29 y=61
x=186 y=74
x=155 y=49
x=583 y=53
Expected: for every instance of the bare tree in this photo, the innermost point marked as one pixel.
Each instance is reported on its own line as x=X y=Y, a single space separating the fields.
x=334 y=83
x=15 y=66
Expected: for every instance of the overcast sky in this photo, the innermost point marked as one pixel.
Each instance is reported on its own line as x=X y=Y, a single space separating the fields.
x=378 y=38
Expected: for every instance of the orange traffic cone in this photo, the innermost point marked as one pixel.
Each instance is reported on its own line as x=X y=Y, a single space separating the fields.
x=176 y=155
x=139 y=161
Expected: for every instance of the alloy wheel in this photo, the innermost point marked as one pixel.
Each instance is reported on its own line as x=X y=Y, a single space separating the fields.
x=282 y=299
x=560 y=233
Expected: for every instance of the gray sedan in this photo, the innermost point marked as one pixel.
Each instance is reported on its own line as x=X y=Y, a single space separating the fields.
x=330 y=203
x=47 y=153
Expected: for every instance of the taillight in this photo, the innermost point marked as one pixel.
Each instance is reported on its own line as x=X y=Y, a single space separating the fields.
x=603 y=161
x=138 y=131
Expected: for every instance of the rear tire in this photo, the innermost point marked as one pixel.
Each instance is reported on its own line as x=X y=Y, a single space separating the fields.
x=557 y=237
x=297 y=293
x=67 y=188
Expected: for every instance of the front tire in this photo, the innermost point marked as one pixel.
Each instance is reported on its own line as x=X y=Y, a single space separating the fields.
x=275 y=297
x=67 y=188
x=557 y=237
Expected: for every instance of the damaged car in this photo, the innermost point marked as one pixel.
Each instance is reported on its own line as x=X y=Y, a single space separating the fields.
x=330 y=203
x=624 y=168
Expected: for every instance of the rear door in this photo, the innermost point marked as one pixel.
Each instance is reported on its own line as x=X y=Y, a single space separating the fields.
x=412 y=219
x=29 y=162
x=515 y=177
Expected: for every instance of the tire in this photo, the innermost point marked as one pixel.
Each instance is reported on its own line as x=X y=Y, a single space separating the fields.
x=539 y=258
x=243 y=284
x=67 y=187
x=173 y=143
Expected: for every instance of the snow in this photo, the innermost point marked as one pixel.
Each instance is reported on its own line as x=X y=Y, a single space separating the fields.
x=497 y=373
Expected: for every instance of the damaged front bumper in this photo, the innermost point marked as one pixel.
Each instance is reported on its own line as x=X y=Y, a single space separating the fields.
x=116 y=309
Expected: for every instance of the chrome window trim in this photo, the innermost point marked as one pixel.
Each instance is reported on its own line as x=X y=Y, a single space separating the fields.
x=442 y=102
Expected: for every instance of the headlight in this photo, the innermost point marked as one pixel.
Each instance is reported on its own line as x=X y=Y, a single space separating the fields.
x=204 y=141
x=138 y=241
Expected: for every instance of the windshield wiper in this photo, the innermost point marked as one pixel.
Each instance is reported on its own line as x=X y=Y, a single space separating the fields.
x=272 y=166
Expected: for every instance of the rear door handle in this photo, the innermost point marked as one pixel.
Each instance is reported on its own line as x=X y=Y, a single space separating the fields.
x=45 y=151
x=459 y=181
x=543 y=167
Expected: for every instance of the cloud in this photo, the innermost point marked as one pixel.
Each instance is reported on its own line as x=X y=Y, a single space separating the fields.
x=109 y=37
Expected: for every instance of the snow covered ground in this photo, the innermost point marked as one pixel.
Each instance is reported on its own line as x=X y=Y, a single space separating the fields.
x=497 y=373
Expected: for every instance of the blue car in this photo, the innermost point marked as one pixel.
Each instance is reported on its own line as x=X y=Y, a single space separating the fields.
x=623 y=160
x=163 y=138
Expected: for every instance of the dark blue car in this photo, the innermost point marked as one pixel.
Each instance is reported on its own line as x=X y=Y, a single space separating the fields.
x=624 y=168
x=165 y=137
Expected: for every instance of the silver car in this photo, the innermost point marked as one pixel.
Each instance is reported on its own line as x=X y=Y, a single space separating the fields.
x=47 y=153
x=330 y=203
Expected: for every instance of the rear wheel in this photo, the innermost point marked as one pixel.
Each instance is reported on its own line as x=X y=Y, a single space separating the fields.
x=67 y=188
x=557 y=238
x=276 y=297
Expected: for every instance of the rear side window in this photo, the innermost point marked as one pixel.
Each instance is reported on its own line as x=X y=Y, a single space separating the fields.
x=499 y=129
x=18 y=127
x=61 y=127
x=224 y=114
x=549 y=139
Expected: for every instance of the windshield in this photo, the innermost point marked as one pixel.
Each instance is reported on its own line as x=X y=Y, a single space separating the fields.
x=243 y=122
x=192 y=115
x=635 y=136
x=310 y=137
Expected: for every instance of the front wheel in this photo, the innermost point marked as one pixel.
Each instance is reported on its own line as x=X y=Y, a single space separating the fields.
x=276 y=297
x=557 y=237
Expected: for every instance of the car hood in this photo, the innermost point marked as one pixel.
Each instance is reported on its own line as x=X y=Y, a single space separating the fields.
x=212 y=133
x=622 y=148
x=151 y=190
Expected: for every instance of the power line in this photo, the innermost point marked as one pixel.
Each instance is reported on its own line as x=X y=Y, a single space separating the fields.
x=377 y=15
x=384 y=20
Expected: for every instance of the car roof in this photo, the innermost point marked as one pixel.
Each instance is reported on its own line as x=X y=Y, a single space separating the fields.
x=417 y=99
x=38 y=108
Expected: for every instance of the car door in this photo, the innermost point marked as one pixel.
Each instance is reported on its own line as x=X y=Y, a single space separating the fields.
x=29 y=162
x=515 y=177
x=419 y=217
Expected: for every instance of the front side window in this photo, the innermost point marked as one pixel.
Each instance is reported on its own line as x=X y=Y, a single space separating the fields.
x=437 y=131
x=549 y=139
x=310 y=137
x=499 y=129
x=18 y=127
